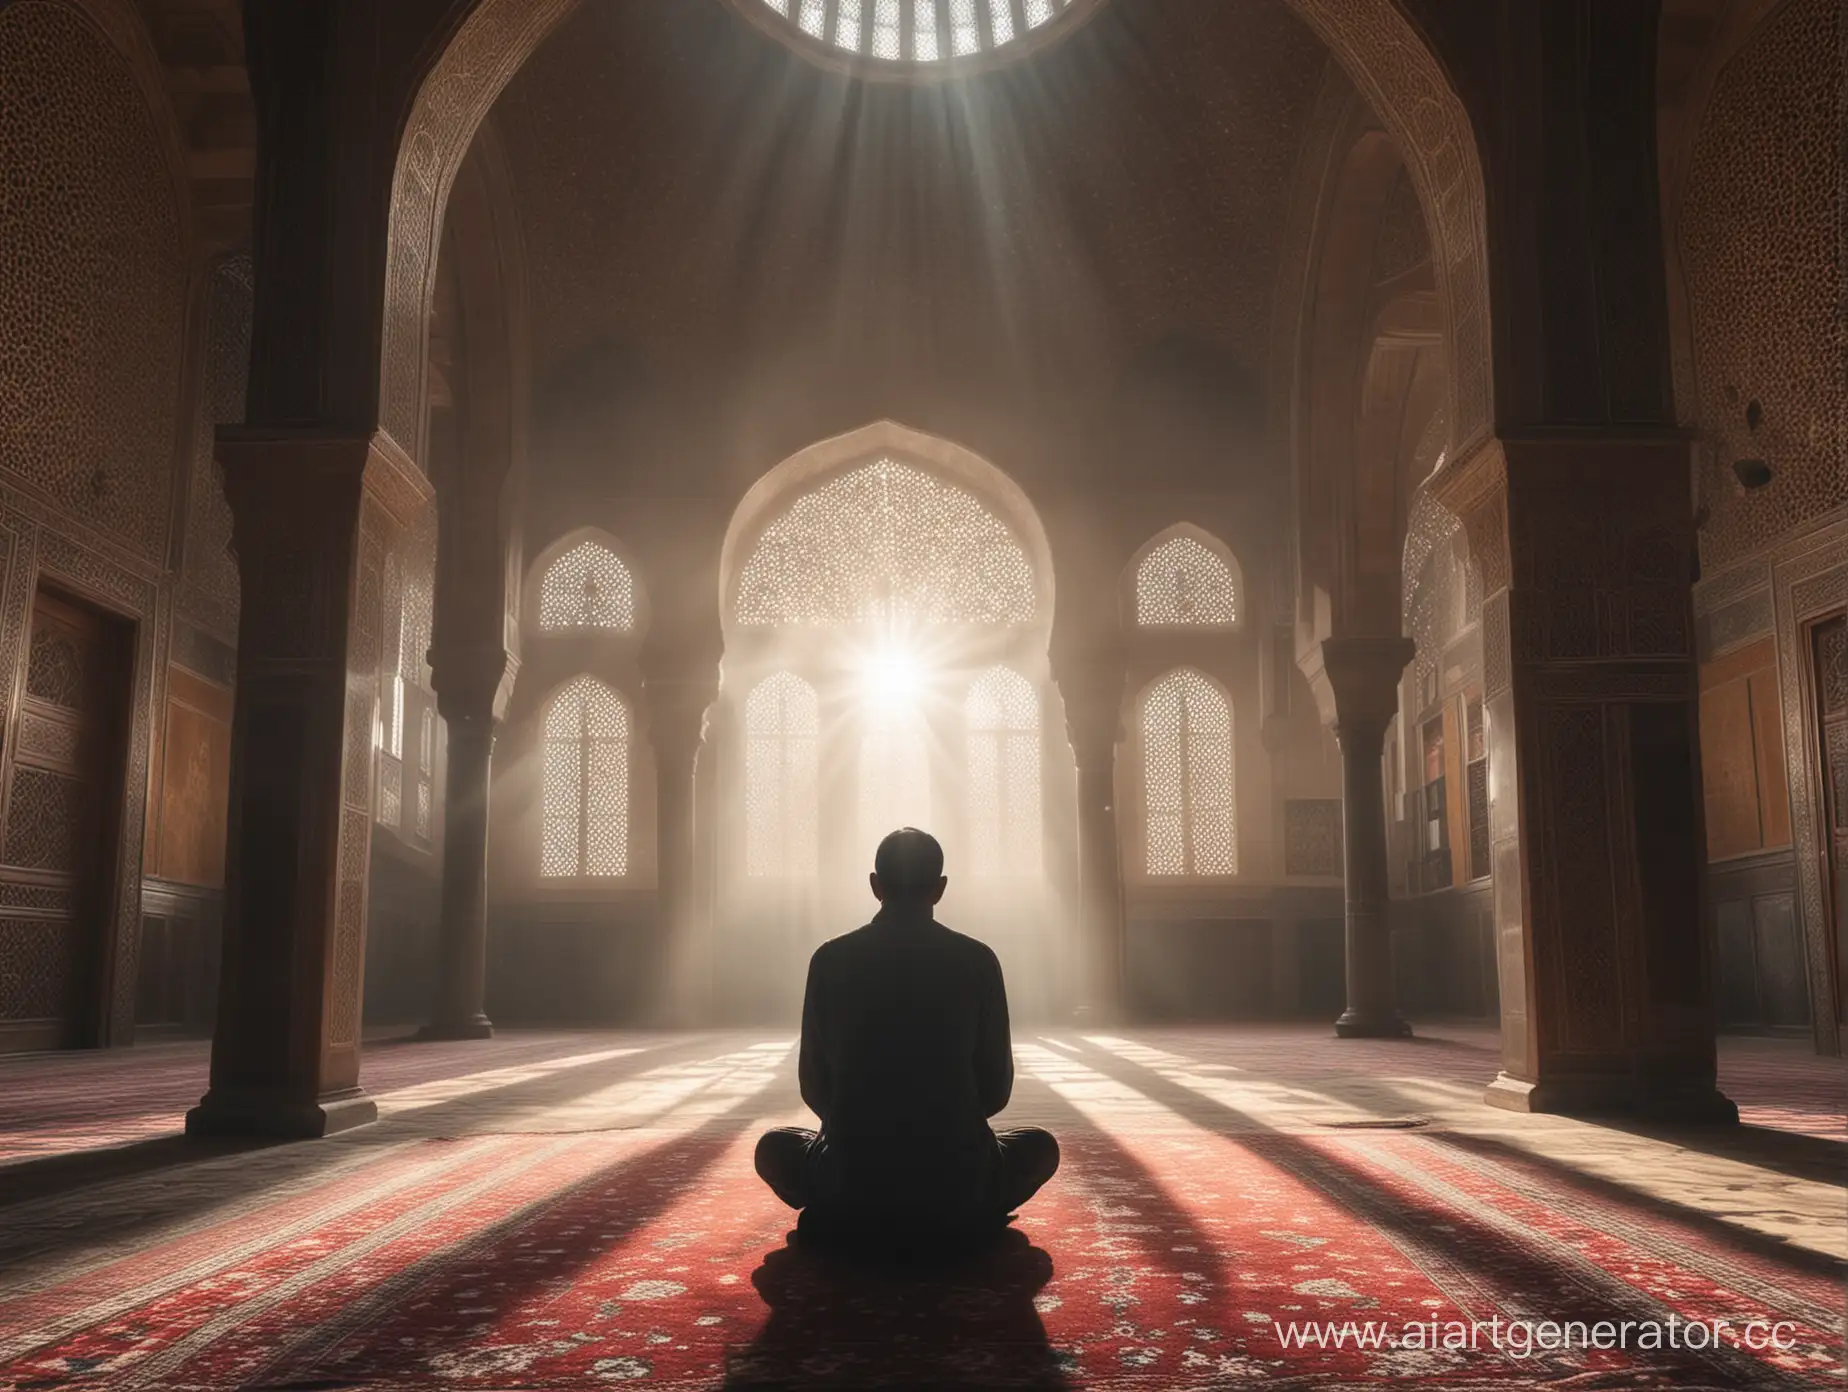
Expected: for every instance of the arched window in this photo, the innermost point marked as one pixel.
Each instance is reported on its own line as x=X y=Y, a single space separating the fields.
x=884 y=542
x=1192 y=826
x=586 y=811
x=587 y=587
x=781 y=723
x=405 y=731
x=1184 y=583
x=1001 y=716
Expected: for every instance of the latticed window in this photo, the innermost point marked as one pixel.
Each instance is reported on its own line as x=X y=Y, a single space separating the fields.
x=1192 y=824
x=586 y=798
x=406 y=751
x=781 y=724
x=1001 y=716
x=1185 y=583
x=917 y=31
x=587 y=587
x=886 y=542
x=388 y=807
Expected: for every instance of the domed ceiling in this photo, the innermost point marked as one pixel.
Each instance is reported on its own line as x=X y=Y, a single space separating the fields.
x=697 y=196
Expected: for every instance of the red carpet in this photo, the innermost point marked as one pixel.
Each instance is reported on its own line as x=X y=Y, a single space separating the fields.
x=1163 y=1256
x=54 y=1103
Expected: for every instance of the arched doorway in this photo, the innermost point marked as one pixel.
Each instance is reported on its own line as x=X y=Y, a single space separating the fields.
x=887 y=605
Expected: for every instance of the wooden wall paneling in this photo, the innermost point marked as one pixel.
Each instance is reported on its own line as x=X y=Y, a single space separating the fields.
x=195 y=781
x=1728 y=770
x=1768 y=742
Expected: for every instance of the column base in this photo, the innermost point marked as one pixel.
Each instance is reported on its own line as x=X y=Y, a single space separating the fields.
x=280 y=1116
x=480 y=1027
x=1652 y=1099
x=1353 y=1026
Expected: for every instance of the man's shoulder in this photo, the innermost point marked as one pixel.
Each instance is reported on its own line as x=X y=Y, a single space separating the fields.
x=842 y=945
x=841 y=942
x=971 y=947
x=871 y=936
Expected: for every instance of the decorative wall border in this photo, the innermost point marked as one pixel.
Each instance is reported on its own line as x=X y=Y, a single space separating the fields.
x=1809 y=577
x=1732 y=608
x=42 y=547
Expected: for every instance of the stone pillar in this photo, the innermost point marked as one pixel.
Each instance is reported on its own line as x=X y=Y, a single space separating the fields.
x=313 y=516
x=1363 y=677
x=1094 y=722
x=677 y=709
x=1585 y=543
x=472 y=687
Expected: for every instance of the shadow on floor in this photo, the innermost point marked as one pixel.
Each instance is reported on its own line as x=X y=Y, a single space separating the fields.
x=203 y=1173
x=1718 y=1234
x=1792 y=1153
x=837 y=1323
x=1464 y=1245
x=1817 y=1159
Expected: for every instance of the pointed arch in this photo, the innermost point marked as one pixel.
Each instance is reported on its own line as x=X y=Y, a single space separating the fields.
x=782 y=724
x=997 y=562
x=1188 y=776
x=1374 y=40
x=585 y=813
x=584 y=582
x=1185 y=577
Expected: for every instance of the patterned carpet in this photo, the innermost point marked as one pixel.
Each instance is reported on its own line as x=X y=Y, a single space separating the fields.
x=579 y=1211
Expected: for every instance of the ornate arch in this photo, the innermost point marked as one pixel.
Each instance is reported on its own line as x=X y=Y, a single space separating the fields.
x=1372 y=39
x=490 y=45
x=1402 y=81
x=1184 y=531
x=810 y=468
x=542 y=562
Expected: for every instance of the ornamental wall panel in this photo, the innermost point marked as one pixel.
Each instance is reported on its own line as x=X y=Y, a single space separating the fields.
x=92 y=281
x=1759 y=233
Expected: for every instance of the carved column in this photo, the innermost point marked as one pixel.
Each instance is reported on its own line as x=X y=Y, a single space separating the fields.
x=472 y=687
x=677 y=709
x=1585 y=544
x=313 y=516
x=1094 y=721
x=1363 y=676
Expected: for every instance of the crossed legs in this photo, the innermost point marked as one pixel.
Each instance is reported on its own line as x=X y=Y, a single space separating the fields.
x=1026 y=1157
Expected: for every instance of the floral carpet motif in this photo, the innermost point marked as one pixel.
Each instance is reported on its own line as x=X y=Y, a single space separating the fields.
x=1171 y=1251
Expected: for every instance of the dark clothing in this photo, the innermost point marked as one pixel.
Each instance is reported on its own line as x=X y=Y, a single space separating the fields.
x=905 y=1056
x=796 y=1165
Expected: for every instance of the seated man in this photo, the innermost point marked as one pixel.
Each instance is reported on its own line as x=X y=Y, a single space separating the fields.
x=905 y=1056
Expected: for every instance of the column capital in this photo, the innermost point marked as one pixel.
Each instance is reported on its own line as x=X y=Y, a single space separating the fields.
x=1092 y=685
x=1363 y=675
x=279 y=463
x=473 y=681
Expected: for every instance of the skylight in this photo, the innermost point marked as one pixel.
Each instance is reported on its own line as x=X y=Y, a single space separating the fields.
x=918 y=31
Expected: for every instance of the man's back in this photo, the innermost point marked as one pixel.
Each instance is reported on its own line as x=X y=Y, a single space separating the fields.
x=905 y=1051
x=905 y=1056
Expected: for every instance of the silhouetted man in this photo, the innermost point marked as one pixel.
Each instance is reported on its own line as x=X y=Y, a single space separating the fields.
x=905 y=1057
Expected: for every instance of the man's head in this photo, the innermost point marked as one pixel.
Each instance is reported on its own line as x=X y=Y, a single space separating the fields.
x=908 y=868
